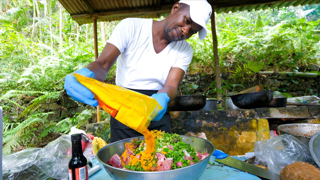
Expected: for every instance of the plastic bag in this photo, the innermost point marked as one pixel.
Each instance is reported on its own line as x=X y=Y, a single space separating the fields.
x=131 y=108
x=39 y=163
x=281 y=151
x=305 y=99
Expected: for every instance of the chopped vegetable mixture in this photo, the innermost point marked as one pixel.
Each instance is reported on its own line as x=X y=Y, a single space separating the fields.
x=170 y=152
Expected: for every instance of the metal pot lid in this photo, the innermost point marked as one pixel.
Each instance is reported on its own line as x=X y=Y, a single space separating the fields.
x=314 y=146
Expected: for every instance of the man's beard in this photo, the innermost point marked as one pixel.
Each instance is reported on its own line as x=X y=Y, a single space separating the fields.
x=168 y=35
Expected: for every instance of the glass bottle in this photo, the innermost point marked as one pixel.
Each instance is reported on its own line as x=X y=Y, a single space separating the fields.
x=78 y=169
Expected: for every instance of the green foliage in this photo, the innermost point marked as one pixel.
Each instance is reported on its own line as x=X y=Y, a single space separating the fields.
x=226 y=87
x=22 y=133
x=35 y=104
x=281 y=40
x=36 y=128
x=247 y=70
x=80 y=119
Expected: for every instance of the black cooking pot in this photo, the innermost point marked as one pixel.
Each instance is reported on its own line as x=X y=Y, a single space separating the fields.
x=187 y=103
x=252 y=100
x=278 y=102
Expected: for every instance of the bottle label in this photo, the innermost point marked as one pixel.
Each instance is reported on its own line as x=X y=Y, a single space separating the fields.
x=80 y=173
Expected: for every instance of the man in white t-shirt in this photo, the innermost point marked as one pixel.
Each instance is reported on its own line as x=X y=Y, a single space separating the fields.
x=152 y=58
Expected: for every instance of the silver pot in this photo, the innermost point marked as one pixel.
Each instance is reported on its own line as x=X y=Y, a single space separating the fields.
x=211 y=104
x=191 y=172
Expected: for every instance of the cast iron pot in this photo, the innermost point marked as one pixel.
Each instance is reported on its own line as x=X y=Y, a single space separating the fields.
x=187 y=103
x=278 y=102
x=191 y=172
x=252 y=100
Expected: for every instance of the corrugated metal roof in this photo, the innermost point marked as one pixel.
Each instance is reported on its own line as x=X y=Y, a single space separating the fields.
x=83 y=11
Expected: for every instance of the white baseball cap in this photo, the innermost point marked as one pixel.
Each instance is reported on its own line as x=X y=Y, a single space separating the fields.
x=200 y=12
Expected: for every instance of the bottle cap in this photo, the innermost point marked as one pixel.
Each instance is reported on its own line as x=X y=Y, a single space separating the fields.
x=75 y=137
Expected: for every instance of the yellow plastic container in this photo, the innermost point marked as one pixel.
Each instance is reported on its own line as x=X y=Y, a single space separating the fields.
x=131 y=108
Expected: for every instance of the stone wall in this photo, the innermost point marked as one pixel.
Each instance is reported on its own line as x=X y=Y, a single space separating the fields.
x=293 y=85
x=236 y=131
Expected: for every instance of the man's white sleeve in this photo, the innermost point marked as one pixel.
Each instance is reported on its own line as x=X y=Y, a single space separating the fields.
x=184 y=58
x=121 y=35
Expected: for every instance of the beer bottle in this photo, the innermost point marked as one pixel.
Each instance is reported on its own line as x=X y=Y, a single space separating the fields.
x=78 y=169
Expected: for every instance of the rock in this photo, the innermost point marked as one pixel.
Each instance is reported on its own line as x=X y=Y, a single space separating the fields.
x=68 y=102
x=55 y=116
x=49 y=107
x=76 y=110
x=64 y=114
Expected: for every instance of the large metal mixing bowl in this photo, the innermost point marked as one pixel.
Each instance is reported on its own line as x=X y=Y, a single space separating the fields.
x=192 y=172
x=302 y=131
x=314 y=146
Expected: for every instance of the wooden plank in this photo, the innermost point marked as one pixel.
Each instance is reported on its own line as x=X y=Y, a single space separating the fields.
x=300 y=74
x=215 y=54
x=95 y=36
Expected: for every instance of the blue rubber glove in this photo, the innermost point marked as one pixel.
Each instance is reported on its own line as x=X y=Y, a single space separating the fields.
x=77 y=91
x=219 y=154
x=163 y=99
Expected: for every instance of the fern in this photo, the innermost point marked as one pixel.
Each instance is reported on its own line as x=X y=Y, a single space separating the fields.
x=7 y=126
x=63 y=126
x=36 y=102
x=16 y=93
x=83 y=116
x=16 y=135
x=46 y=131
x=254 y=66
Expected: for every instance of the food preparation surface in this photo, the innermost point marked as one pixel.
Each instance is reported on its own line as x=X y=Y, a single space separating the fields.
x=214 y=170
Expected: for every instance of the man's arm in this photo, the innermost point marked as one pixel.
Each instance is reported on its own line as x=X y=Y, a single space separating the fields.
x=171 y=86
x=102 y=65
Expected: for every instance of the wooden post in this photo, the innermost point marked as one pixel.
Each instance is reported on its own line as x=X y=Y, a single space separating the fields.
x=215 y=53
x=95 y=36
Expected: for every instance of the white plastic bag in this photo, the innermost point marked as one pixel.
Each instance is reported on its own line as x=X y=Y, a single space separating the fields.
x=39 y=163
x=280 y=151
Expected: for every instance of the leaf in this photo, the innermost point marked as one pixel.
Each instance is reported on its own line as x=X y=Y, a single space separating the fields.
x=45 y=132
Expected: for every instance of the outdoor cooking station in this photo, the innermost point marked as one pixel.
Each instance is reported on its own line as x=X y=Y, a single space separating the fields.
x=235 y=131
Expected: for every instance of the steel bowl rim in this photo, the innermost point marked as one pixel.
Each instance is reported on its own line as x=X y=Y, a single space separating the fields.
x=294 y=124
x=315 y=158
x=151 y=172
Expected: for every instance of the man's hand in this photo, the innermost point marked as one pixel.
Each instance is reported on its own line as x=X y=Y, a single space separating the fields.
x=77 y=91
x=219 y=154
x=163 y=99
